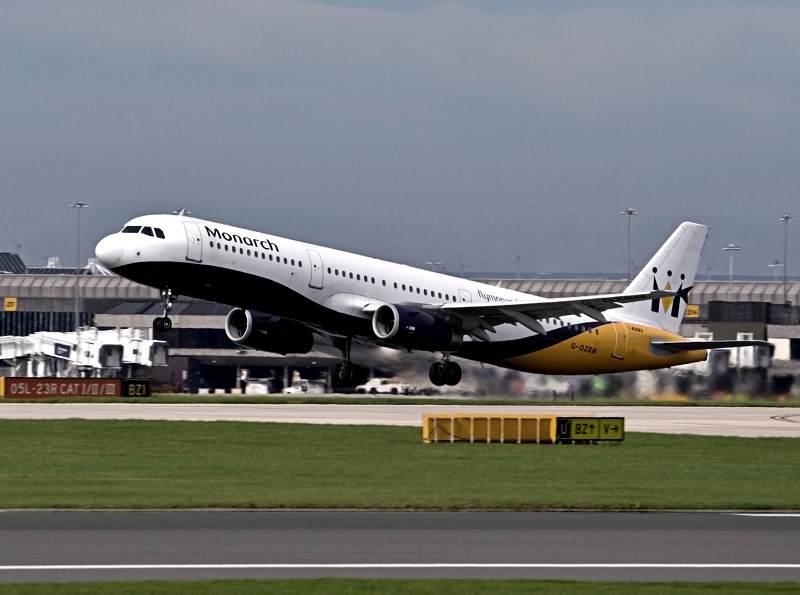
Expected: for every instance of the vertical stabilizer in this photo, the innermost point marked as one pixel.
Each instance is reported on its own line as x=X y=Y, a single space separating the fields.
x=672 y=268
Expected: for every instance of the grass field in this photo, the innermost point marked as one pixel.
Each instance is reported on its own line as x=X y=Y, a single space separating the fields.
x=396 y=587
x=151 y=464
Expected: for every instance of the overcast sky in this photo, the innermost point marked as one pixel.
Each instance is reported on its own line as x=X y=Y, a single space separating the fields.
x=467 y=132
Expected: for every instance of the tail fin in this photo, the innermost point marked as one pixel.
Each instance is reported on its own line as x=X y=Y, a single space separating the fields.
x=672 y=268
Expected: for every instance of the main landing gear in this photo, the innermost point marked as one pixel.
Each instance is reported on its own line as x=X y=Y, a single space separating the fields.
x=445 y=372
x=347 y=373
x=163 y=323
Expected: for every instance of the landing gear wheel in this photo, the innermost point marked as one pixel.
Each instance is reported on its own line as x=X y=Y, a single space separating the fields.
x=435 y=374
x=348 y=374
x=452 y=374
x=162 y=324
x=445 y=372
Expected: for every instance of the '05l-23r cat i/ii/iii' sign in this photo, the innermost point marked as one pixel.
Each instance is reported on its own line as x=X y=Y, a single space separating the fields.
x=39 y=388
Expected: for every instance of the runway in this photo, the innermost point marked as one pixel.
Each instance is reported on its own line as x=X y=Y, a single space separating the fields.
x=197 y=545
x=751 y=422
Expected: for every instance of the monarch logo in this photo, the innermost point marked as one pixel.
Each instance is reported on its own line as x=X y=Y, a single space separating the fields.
x=671 y=305
x=266 y=244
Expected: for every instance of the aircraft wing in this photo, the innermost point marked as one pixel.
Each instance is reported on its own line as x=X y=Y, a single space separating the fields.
x=478 y=318
x=680 y=346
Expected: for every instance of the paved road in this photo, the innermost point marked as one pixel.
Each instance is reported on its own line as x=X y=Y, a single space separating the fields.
x=69 y=546
x=712 y=421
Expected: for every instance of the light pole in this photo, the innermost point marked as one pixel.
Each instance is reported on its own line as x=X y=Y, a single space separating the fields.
x=775 y=266
x=630 y=213
x=80 y=205
x=786 y=219
x=730 y=249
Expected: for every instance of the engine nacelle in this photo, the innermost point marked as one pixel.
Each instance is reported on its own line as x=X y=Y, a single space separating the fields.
x=267 y=333
x=414 y=329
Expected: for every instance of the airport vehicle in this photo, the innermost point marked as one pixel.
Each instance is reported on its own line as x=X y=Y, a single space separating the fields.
x=284 y=292
x=301 y=386
x=385 y=386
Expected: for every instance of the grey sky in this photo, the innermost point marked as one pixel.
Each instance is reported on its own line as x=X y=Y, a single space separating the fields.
x=466 y=132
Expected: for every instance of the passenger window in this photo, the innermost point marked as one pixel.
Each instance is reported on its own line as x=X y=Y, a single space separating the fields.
x=131 y=229
x=293 y=262
x=159 y=233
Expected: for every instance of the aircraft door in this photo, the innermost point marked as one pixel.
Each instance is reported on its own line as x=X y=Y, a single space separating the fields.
x=465 y=295
x=194 y=251
x=317 y=273
x=621 y=346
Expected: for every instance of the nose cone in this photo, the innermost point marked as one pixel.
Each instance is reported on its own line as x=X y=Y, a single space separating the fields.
x=109 y=251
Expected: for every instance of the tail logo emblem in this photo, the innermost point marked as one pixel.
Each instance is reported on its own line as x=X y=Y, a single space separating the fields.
x=672 y=305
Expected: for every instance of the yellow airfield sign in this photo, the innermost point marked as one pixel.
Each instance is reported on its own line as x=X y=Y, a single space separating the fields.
x=590 y=428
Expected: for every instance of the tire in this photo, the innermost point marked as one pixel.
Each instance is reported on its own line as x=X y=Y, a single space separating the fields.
x=353 y=375
x=452 y=375
x=435 y=374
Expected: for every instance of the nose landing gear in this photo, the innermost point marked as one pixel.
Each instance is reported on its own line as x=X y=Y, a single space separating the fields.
x=163 y=323
x=445 y=372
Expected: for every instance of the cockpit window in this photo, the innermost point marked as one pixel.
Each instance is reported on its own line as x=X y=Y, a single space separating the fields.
x=159 y=233
x=131 y=229
x=147 y=231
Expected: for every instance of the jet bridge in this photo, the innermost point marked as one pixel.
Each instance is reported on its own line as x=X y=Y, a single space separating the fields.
x=89 y=353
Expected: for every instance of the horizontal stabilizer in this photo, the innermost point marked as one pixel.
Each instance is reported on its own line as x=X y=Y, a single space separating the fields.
x=681 y=346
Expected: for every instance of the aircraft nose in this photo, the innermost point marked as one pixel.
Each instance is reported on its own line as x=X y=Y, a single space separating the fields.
x=109 y=251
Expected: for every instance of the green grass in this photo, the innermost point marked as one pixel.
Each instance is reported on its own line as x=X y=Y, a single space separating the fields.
x=155 y=464
x=397 y=587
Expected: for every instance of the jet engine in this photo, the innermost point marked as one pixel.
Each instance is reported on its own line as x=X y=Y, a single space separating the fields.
x=266 y=332
x=414 y=329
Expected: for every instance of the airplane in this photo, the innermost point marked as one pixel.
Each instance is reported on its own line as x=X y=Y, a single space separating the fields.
x=283 y=293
